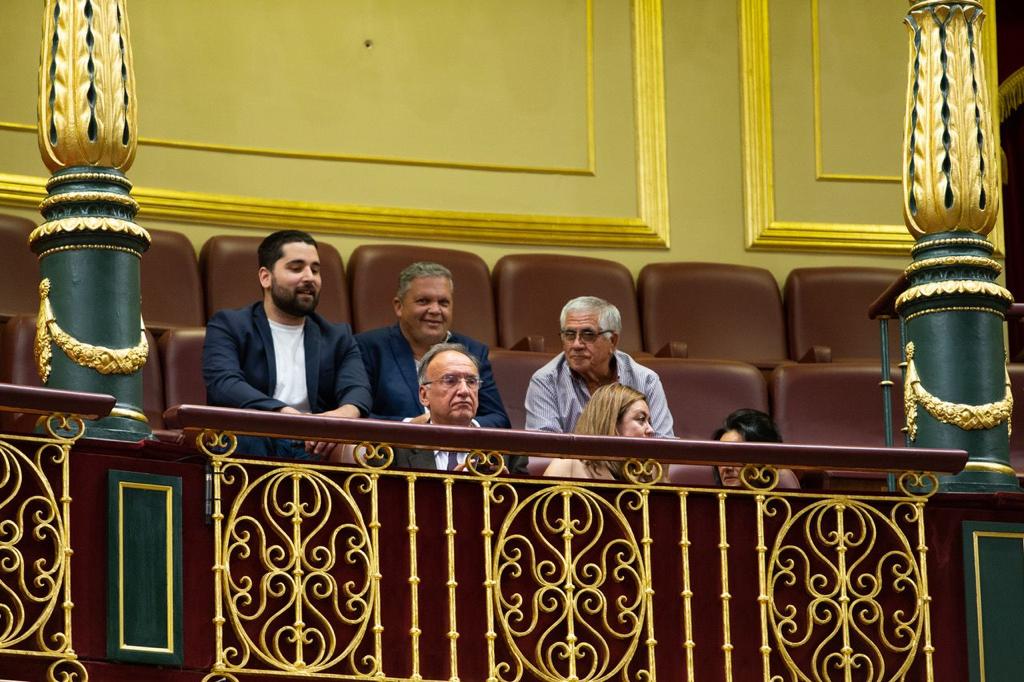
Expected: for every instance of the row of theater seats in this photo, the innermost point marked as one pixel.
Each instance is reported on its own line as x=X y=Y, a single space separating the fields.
x=694 y=310
x=832 y=404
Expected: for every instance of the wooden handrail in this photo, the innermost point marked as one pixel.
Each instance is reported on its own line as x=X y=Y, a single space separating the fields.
x=194 y=418
x=885 y=304
x=35 y=400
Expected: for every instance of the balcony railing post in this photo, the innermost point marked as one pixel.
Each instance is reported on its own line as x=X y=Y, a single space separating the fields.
x=89 y=333
x=956 y=385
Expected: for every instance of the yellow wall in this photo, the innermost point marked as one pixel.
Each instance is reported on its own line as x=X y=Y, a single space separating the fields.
x=703 y=114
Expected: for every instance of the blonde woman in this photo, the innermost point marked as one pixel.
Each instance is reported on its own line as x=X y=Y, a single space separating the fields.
x=613 y=410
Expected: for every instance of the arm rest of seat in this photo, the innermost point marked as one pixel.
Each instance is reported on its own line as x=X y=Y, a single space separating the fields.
x=818 y=354
x=673 y=349
x=533 y=343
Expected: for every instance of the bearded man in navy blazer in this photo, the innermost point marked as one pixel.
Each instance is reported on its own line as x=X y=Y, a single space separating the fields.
x=423 y=305
x=278 y=355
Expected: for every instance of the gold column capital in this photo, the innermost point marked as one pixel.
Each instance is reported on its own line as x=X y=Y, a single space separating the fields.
x=950 y=163
x=87 y=109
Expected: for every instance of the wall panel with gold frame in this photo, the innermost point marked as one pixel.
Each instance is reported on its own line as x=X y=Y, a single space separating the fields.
x=529 y=122
x=824 y=87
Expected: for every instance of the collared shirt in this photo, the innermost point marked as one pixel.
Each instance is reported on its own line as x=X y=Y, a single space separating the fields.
x=557 y=395
x=441 y=459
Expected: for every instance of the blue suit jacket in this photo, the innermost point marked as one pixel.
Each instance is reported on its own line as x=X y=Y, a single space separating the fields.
x=240 y=369
x=392 y=372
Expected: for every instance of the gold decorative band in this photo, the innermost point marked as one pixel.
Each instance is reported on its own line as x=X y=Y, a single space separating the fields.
x=103 y=360
x=69 y=197
x=955 y=309
x=88 y=224
x=951 y=287
x=961 y=415
x=91 y=247
x=990 y=467
x=953 y=241
x=87 y=176
x=971 y=261
x=936 y=3
x=886 y=382
x=1011 y=93
x=129 y=414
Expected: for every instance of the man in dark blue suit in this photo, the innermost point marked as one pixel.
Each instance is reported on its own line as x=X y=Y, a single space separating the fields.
x=423 y=306
x=279 y=355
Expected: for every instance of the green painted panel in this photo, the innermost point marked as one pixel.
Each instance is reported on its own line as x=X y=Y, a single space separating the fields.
x=144 y=592
x=994 y=599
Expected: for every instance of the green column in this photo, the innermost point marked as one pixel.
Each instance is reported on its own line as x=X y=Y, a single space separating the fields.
x=89 y=333
x=956 y=391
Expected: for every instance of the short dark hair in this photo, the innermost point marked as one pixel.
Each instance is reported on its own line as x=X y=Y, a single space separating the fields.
x=272 y=248
x=421 y=269
x=754 y=425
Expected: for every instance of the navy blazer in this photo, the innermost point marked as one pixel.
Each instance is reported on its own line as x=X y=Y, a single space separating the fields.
x=395 y=388
x=240 y=369
x=417 y=458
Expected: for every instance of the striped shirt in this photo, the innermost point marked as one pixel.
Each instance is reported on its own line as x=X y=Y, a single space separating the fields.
x=556 y=395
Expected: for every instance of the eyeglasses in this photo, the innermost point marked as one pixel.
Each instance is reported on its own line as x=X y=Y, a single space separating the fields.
x=450 y=381
x=586 y=335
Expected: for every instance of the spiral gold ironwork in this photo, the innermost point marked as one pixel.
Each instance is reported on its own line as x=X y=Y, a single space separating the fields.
x=298 y=572
x=643 y=472
x=35 y=547
x=846 y=597
x=566 y=571
x=556 y=555
x=485 y=463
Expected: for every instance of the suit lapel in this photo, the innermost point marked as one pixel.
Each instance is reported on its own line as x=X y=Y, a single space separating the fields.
x=422 y=459
x=401 y=352
x=263 y=328
x=311 y=347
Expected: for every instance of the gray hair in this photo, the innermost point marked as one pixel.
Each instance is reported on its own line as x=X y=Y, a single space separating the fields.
x=437 y=349
x=608 y=317
x=421 y=269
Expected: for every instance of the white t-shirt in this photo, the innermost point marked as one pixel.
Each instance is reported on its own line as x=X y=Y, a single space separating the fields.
x=290 y=355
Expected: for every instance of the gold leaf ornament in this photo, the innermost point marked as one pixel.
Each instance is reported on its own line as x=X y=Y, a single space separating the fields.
x=961 y=415
x=103 y=360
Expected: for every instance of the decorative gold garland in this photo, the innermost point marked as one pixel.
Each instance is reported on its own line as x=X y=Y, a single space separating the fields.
x=951 y=287
x=103 y=360
x=87 y=177
x=961 y=415
x=953 y=241
x=1011 y=94
x=88 y=224
x=74 y=197
x=970 y=261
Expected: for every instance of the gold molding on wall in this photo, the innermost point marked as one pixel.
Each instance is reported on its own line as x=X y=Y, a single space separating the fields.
x=763 y=230
x=650 y=228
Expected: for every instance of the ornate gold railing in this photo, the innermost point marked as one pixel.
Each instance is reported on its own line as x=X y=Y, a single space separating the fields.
x=35 y=528
x=364 y=571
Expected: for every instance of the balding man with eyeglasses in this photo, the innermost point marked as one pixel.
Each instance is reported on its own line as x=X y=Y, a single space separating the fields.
x=589 y=359
x=449 y=387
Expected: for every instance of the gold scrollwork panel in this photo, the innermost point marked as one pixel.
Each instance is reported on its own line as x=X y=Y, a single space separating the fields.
x=846 y=594
x=35 y=547
x=299 y=573
x=557 y=559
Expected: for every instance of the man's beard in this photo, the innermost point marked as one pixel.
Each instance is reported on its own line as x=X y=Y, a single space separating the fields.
x=289 y=302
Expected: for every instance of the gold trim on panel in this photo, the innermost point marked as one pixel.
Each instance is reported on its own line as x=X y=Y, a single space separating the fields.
x=977 y=588
x=764 y=232
x=819 y=163
x=990 y=468
x=649 y=229
x=169 y=549
x=954 y=261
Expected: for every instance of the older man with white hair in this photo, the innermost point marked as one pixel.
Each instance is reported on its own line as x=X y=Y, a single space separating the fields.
x=589 y=359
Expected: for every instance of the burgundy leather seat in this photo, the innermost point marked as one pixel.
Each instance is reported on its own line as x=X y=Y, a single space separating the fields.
x=373 y=280
x=531 y=289
x=19 y=294
x=1017 y=432
x=834 y=404
x=720 y=311
x=172 y=295
x=229 y=265
x=18 y=366
x=828 y=307
x=702 y=393
x=181 y=354
x=512 y=372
